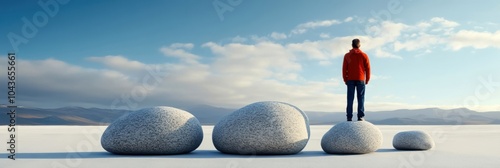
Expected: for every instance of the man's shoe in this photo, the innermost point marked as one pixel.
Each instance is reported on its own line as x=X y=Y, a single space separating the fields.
x=361 y=119
x=349 y=119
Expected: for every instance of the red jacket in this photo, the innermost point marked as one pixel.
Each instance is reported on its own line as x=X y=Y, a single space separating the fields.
x=356 y=66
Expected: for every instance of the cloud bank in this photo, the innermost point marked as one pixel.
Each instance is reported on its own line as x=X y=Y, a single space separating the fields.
x=239 y=72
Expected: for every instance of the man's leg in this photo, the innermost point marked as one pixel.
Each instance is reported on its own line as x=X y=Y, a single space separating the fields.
x=350 y=98
x=360 y=88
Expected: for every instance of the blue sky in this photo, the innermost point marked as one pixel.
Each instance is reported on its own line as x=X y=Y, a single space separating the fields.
x=131 y=54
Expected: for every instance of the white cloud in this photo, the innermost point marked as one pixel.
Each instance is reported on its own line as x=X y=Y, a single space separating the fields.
x=311 y=49
x=422 y=41
x=444 y=22
x=54 y=82
x=188 y=46
x=242 y=59
x=475 y=39
x=324 y=35
x=387 y=30
x=322 y=49
x=423 y=25
x=439 y=31
x=302 y=28
x=378 y=38
x=239 y=39
x=384 y=54
x=258 y=39
x=424 y=36
x=118 y=62
x=180 y=50
x=278 y=36
x=348 y=19
x=443 y=26
x=427 y=35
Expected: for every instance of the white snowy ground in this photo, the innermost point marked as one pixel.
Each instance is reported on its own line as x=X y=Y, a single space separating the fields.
x=79 y=146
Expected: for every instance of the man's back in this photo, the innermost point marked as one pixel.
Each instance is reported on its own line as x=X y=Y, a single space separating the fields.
x=356 y=66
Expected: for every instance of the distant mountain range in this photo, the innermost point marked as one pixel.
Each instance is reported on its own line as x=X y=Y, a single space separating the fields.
x=209 y=115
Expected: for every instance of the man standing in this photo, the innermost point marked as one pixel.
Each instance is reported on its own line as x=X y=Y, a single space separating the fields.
x=356 y=74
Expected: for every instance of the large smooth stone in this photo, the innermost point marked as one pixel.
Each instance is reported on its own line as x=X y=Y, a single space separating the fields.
x=354 y=137
x=157 y=130
x=262 y=128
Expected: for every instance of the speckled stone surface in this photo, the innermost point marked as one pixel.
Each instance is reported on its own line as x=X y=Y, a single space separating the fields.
x=262 y=128
x=355 y=137
x=157 y=130
x=412 y=140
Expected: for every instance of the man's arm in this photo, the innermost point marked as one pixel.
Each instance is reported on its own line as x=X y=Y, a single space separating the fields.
x=344 y=69
x=367 y=68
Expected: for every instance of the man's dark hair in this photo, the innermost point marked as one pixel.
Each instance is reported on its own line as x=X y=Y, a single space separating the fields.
x=355 y=43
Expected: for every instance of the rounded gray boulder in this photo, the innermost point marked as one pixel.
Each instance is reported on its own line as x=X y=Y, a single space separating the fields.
x=412 y=140
x=355 y=137
x=157 y=130
x=265 y=128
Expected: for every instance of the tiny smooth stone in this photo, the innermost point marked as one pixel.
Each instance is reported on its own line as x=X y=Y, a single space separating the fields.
x=412 y=140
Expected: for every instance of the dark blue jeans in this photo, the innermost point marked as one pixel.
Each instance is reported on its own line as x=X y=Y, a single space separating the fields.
x=359 y=86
